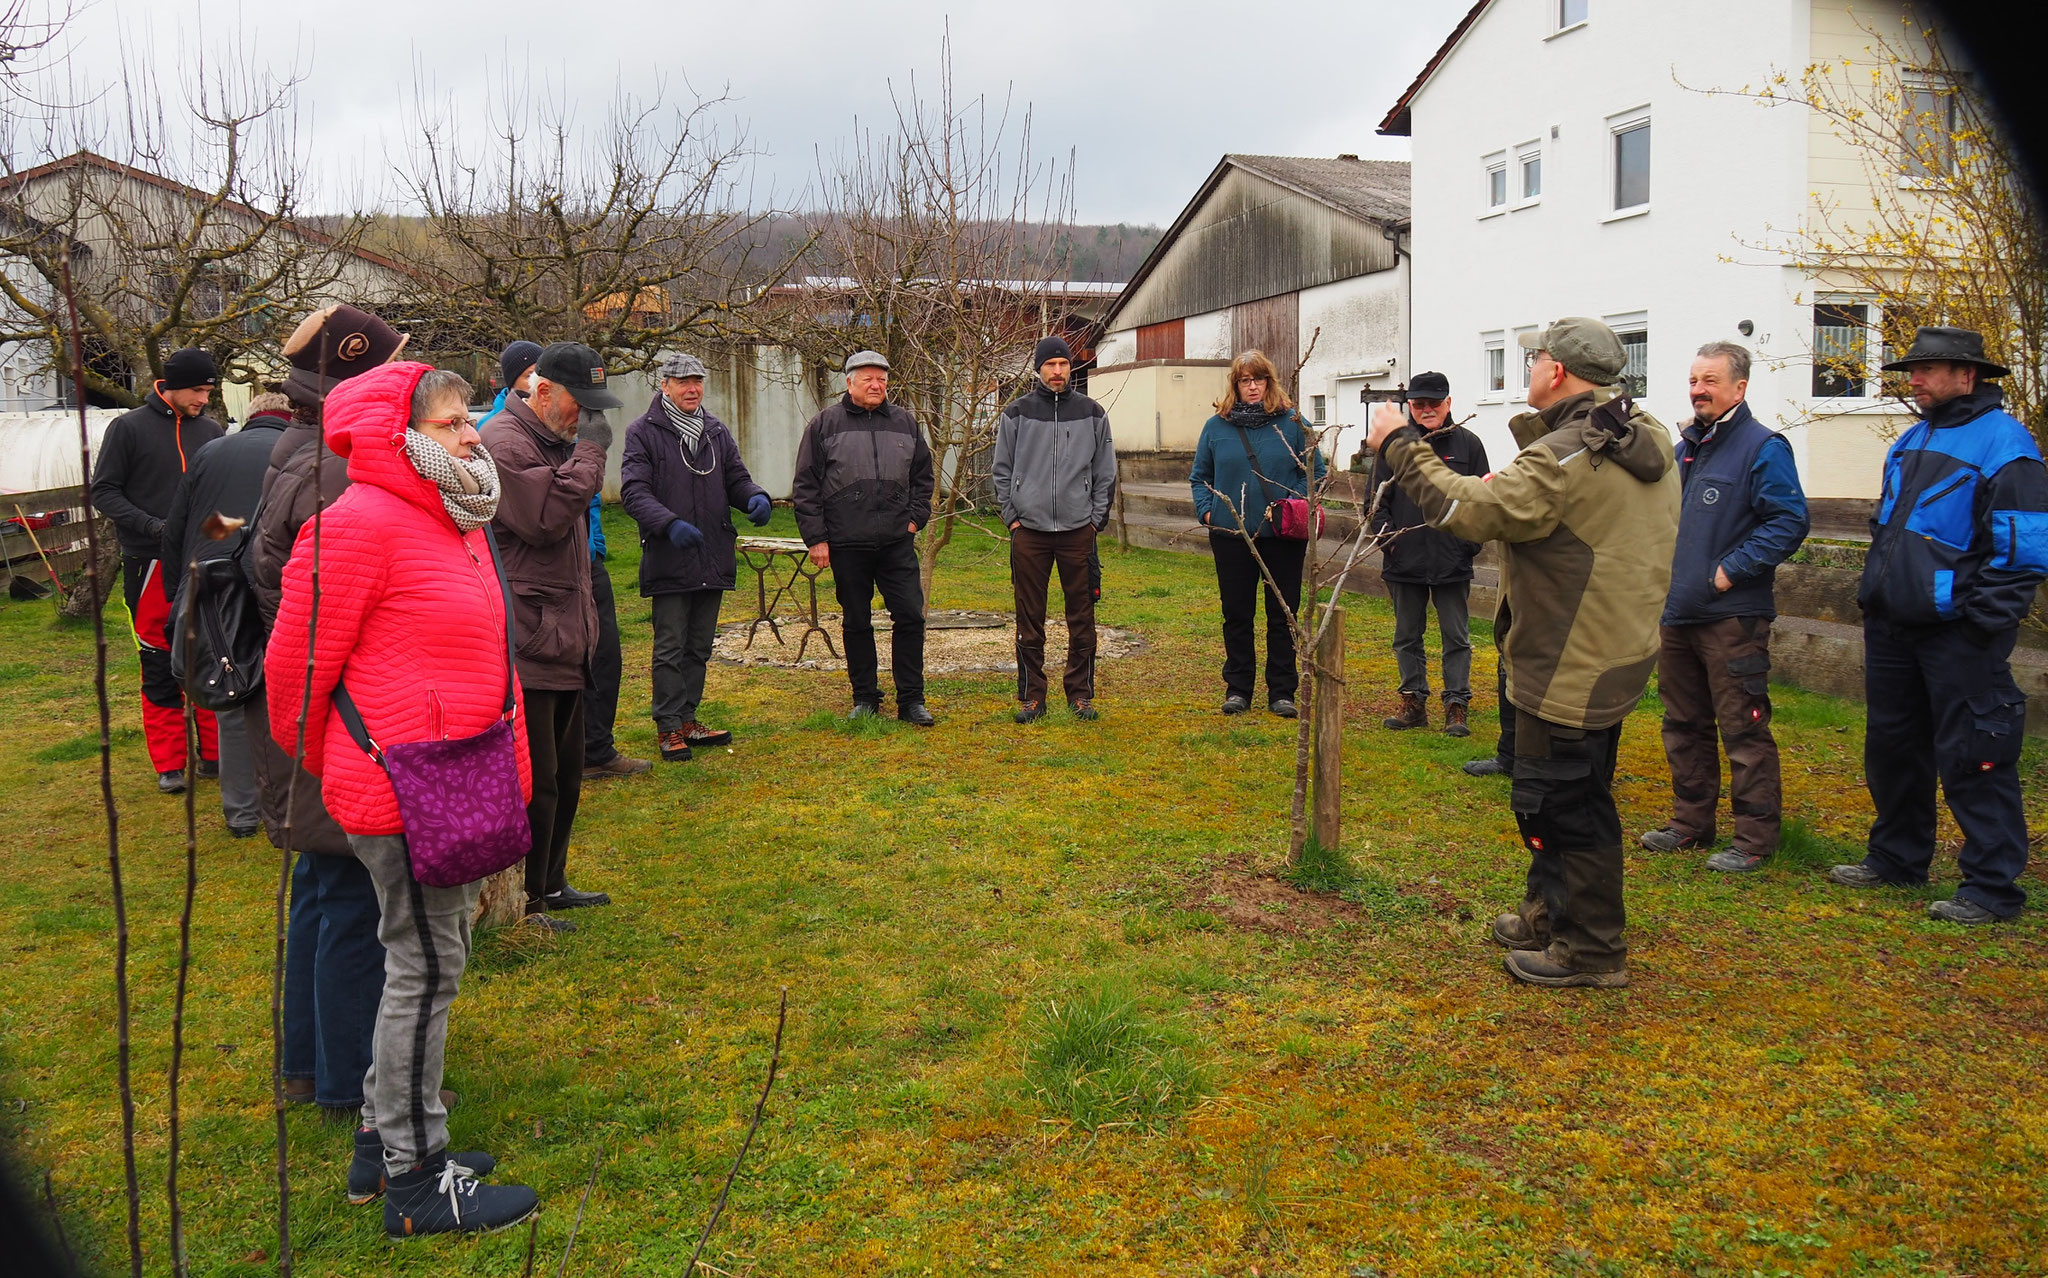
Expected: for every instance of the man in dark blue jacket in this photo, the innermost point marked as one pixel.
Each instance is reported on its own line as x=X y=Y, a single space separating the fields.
x=1744 y=513
x=1958 y=548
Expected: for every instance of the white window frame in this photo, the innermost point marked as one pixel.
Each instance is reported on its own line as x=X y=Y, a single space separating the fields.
x=1488 y=344
x=1526 y=154
x=1558 y=24
x=1873 y=350
x=1518 y=364
x=1495 y=163
x=1634 y=322
x=1618 y=124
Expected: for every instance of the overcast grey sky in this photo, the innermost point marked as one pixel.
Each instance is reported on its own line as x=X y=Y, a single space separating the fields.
x=1148 y=94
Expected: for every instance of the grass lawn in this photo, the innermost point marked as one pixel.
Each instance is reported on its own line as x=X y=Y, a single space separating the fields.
x=997 y=938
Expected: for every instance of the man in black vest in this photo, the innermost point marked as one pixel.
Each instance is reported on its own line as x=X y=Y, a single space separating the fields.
x=1744 y=513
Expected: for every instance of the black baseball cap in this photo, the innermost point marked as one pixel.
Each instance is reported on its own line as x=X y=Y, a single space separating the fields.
x=580 y=371
x=1429 y=386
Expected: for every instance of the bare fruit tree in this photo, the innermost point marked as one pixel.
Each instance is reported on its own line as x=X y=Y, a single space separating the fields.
x=182 y=215
x=632 y=238
x=1317 y=625
x=941 y=246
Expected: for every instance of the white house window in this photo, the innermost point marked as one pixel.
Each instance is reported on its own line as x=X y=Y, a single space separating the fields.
x=1515 y=340
x=1529 y=172
x=1841 y=350
x=1496 y=182
x=1927 y=133
x=1635 y=364
x=1631 y=162
x=1496 y=350
x=1570 y=13
x=1318 y=409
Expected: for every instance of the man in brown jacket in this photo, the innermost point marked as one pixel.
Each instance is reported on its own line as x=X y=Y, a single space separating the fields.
x=550 y=453
x=1588 y=514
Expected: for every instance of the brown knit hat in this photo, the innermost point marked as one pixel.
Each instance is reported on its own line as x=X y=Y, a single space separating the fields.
x=334 y=344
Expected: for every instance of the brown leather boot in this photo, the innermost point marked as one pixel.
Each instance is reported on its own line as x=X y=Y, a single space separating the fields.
x=1454 y=720
x=1414 y=713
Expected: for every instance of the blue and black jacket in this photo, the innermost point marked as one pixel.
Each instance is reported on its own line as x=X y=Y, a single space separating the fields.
x=1961 y=533
x=1743 y=513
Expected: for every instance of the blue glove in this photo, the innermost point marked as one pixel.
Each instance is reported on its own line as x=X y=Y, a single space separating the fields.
x=683 y=535
x=758 y=509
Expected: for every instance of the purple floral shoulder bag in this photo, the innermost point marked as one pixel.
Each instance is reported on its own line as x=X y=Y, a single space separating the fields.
x=458 y=800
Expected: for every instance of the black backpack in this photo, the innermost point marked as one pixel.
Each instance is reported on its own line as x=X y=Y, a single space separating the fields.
x=218 y=607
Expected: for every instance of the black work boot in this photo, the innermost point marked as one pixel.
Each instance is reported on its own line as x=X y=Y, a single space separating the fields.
x=1414 y=713
x=443 y=1196
x=366 y=1169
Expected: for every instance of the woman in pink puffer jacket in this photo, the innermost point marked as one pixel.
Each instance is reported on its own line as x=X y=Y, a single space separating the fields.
x=412 y=617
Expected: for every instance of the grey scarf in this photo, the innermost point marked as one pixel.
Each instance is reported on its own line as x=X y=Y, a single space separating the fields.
x=688 y=426
x=469 y=489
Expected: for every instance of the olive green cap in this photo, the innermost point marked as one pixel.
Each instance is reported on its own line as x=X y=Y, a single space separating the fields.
x=1585 y=347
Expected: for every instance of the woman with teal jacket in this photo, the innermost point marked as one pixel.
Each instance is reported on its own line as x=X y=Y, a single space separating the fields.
x=1253 y=453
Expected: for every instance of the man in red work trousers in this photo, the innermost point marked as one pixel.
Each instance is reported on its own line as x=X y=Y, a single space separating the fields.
x=145 y=453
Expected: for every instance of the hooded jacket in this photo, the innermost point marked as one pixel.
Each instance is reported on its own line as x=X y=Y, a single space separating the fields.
x=143 y=455
x=863 y=476
x=1422 y=555
x=411 y=615
x=657 y=488
x=1588 y=514
x=545 y=484
x=1961 y=532
x=1055 y=461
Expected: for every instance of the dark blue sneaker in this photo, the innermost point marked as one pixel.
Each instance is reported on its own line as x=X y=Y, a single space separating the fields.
x=366 y=1169
x=443 y=1196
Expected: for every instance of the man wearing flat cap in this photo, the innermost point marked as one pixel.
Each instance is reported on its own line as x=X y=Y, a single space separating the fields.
x=550 y=449
x=1958 y=547
x=863 y=488
x=1587 y=514
x=681 y=478
x=1054 y=470
x=135 y=477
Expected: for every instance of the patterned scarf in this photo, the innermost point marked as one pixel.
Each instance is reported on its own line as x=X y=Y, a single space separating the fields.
x=469 y=489
x=687 y=426
x=1249 y=416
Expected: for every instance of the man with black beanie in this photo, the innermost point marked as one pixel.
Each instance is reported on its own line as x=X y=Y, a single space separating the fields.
x=1055 y=464
x=144 y=455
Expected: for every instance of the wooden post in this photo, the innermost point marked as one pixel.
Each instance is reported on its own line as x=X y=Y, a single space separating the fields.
x=1328 y=708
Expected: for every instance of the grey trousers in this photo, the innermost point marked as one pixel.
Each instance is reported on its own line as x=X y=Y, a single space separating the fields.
x=241 y=799
x=1453 y=621
x=425 y=931
x=685 y=625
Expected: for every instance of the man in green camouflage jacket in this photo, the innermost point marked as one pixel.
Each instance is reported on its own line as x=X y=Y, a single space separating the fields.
x=1588 y=515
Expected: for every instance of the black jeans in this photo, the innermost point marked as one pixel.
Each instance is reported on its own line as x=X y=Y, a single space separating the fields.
x=1942 y=708
x=685 y=628
x=1239 y=582
x=857 y=572
x=554 y=737
x=601 y=680
x=1453 y=622
x=1563 y=798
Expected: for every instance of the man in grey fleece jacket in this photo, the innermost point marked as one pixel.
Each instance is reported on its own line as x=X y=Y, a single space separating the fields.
x=1055 y=467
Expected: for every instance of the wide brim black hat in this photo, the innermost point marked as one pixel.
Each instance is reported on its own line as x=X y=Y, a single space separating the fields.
x=1940 y=344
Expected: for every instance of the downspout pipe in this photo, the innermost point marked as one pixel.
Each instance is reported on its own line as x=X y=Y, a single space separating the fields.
x=1393 y=232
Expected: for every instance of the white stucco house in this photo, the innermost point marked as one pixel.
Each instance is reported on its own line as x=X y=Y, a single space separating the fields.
x=1569 y=159
x=1303 y=257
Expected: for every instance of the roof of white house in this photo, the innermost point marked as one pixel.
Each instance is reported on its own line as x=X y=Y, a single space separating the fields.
x=1396 y=121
